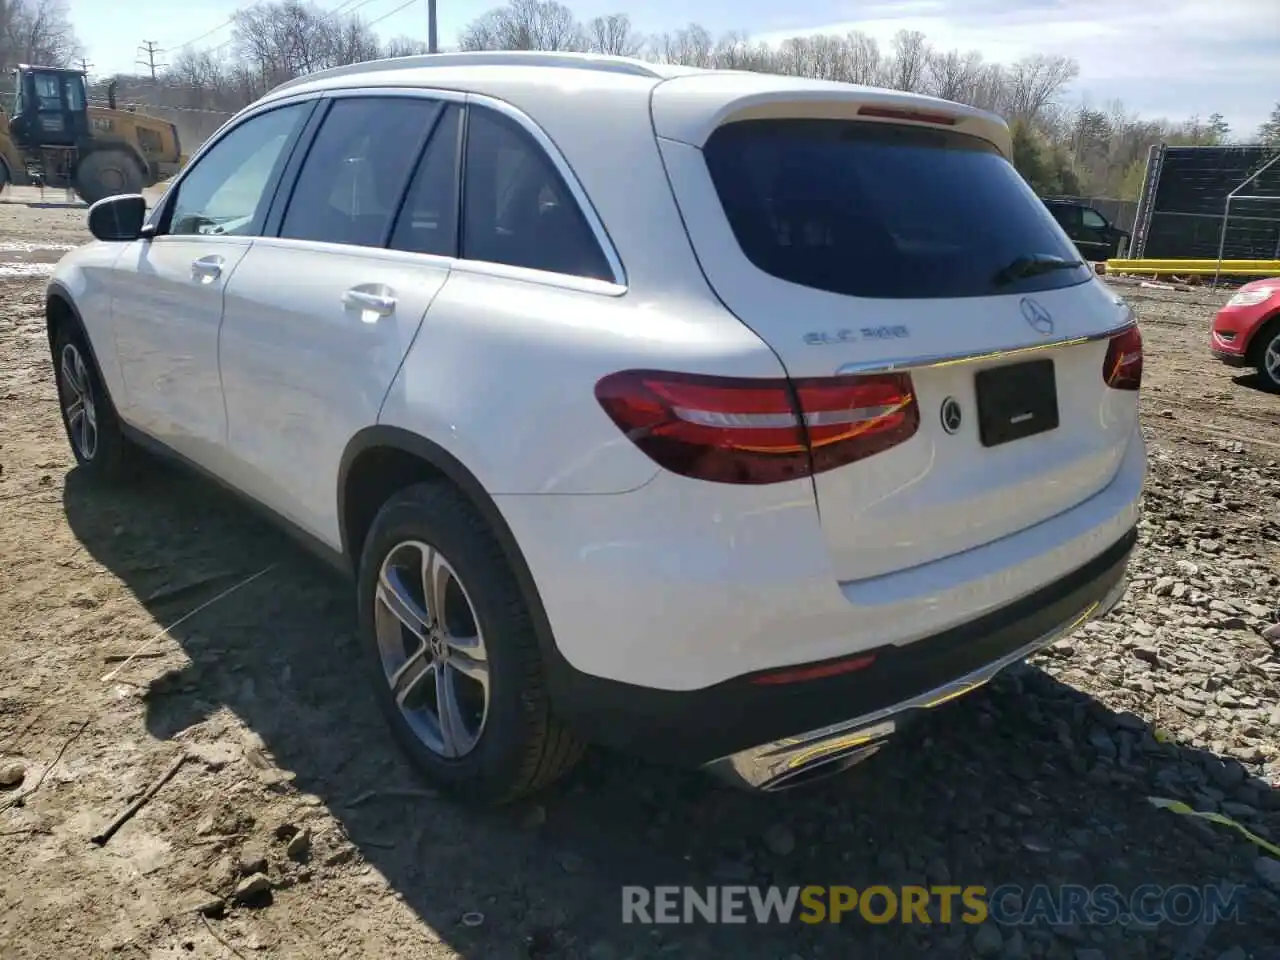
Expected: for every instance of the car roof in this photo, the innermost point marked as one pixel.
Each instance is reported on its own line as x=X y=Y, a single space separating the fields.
x=687 y=103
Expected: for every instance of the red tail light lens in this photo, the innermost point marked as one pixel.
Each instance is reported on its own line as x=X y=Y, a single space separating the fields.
x=1122 y=369
x=735 y=430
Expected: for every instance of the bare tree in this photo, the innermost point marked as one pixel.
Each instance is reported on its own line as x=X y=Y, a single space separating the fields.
x=865 y=64
x=37 y=31
x=1035 y=82
x=525 y=25
x=691 y=46
x=905 y=70
x=612 y=34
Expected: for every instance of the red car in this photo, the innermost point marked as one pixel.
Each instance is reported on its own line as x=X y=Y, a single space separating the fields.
x=1246 y=332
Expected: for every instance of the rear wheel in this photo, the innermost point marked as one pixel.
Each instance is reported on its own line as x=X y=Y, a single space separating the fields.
x=107 y=173
x=452 y=652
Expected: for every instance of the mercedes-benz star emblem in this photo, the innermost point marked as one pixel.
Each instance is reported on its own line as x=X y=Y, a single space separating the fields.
x=951 y=415
x=1038 y=317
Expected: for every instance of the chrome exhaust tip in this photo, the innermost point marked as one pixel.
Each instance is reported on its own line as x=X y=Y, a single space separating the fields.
x=822 y=768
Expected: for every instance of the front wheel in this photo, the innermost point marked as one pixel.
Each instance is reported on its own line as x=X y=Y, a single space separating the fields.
x=88 y=415
x=452 y=651
x=1269 y=358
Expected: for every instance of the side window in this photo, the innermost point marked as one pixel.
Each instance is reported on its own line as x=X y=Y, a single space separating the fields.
x=47 y=92
x=226 y=191
x=73 y=87
x=1068 y=217
x=356 y=170
x=428 y=221
x=1092 y=219
x=516 y=208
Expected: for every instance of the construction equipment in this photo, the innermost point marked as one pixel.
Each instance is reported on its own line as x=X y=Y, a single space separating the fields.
x=53 y=138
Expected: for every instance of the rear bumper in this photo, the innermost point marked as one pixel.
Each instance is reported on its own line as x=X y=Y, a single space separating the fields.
x=757 y=734
x=1090 y=593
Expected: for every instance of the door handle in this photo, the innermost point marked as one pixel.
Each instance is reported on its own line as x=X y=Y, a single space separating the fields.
x=363 y=300
x=207 y=269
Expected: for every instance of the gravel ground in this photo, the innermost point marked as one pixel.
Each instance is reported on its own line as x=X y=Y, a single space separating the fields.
x=293 y=794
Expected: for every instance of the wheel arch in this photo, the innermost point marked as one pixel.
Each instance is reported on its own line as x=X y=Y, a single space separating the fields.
x=60 y=310
x=379 y=460
x=1269 y=325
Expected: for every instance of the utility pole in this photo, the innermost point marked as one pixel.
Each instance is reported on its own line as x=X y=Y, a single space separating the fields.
x=149 y=49
x=432 y=46
x=85 y=65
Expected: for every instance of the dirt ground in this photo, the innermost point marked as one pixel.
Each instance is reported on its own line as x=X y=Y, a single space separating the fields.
x=1043 y=777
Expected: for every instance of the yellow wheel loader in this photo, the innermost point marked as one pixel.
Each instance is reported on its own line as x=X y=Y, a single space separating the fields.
x=53 y=138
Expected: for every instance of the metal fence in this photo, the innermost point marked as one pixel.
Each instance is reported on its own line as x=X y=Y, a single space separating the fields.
x=1193 y=205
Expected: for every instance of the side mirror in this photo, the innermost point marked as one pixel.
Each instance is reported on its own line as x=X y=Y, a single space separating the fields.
x=118 y=218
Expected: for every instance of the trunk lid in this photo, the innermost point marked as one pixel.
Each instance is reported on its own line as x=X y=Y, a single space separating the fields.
x=852 y=244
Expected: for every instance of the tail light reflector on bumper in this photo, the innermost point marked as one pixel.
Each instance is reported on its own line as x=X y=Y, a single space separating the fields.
x=739 y=430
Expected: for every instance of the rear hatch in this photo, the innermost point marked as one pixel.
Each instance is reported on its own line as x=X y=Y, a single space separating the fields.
x=861 y=231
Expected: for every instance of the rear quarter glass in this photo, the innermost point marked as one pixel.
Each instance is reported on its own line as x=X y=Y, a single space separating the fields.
x=882 y=210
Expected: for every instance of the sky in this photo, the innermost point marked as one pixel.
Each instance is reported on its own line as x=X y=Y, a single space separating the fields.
x=1173 y=58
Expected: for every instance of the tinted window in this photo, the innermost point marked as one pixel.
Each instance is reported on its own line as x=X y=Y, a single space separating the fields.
x=877 y=210
x=226 y=191
x=1092 y=219
x=356 y=170
x=517 y=210
x=1067 y=216
x=428 y=221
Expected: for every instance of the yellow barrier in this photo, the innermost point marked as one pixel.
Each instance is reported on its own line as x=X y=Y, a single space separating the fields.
x=1227 y=268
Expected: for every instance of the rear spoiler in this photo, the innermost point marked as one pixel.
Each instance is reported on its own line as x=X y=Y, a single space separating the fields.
x=689 y=109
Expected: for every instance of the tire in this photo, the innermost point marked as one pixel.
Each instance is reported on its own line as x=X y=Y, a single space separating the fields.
x=1267 y=356
x=505 y=744
x=107 y=173
x=93 y=427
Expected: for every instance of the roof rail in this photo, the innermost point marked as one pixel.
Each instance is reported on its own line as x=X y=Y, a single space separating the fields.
x=486 y=58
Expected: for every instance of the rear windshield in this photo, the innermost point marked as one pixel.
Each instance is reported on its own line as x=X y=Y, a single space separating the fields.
x=878 y=210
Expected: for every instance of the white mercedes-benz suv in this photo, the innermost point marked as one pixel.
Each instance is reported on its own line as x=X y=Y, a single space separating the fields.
x=727 y=418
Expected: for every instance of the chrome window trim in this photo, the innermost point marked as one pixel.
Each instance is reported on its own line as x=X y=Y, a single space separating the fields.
x=947 y=360
x=521 y=119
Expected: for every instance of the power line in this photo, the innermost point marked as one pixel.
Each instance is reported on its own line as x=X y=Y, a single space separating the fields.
x=150 y=49
x=344 y=8
x=208 y=33
x=403 y=6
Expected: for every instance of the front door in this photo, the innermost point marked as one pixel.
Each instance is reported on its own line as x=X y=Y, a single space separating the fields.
x=167 y=306
x=1097 y=241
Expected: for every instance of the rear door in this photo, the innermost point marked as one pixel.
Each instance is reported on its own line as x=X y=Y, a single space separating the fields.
x=319 y=317
x=853 y=246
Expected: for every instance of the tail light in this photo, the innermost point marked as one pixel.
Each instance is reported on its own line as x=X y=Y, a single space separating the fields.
x=1122 y=369
x=735 y=430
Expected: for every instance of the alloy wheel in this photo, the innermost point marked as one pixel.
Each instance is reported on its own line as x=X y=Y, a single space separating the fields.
x=1271 y=359
x=432 y=649
x=77 y=402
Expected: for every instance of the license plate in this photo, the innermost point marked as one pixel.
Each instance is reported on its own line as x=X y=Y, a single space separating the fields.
x=1016 y=401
